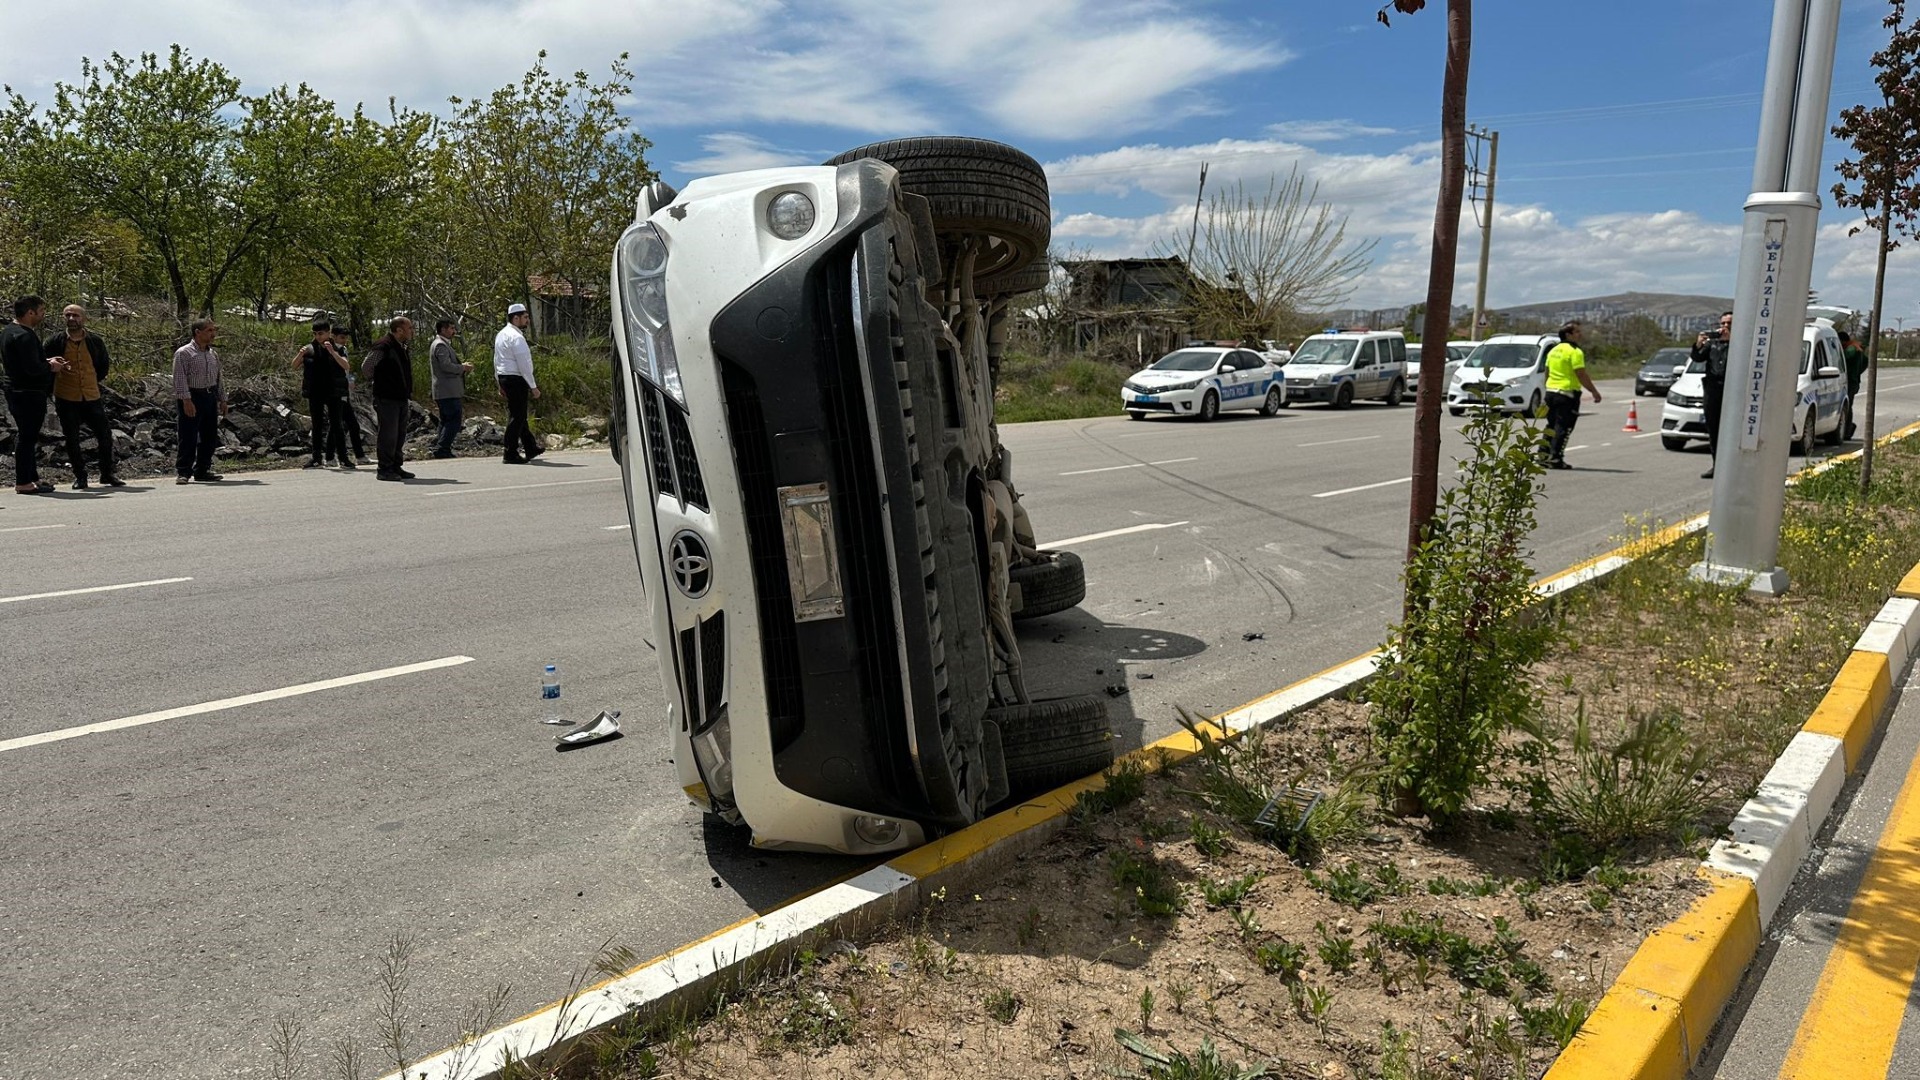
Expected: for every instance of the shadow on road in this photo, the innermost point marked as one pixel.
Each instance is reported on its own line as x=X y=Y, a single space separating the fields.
x=768 y=879
x=1075 y=653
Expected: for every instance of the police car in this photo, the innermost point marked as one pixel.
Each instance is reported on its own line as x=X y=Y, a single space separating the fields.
x=1819 y=405
x=1342 y=366
x=1200 y=381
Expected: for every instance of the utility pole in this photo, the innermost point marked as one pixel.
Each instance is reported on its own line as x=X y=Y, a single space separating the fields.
x=1194 y=236
x=1770 y=300
x=1480 y=193
x=1899 y=331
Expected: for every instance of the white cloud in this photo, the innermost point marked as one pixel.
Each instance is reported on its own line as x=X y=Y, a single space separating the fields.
x=1538 y=254
x=1058 y=68
x=1314 y=131
x=733 y=151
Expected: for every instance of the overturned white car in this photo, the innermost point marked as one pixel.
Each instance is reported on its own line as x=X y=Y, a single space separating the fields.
x=823 y=515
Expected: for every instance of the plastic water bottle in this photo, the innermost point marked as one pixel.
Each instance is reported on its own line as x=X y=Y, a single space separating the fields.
x=550 y=695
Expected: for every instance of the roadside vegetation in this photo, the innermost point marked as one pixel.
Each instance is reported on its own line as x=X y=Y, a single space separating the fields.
x=1369 y=889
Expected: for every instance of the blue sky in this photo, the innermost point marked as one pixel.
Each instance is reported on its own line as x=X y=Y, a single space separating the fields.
x=1626 y=127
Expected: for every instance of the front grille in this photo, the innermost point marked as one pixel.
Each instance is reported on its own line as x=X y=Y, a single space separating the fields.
x=1484 y=387
x=1150 y=406
x=703 y=670
x=760 y=501
x=676 y=468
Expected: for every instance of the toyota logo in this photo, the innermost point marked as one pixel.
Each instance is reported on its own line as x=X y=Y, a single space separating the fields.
x=691 y=567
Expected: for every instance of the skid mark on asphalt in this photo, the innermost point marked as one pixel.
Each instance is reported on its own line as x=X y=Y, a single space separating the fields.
x=1136 y=465
x=522 y=487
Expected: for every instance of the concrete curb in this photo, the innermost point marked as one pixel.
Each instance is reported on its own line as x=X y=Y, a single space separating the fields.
x=1657 y=1016
x=684 y=980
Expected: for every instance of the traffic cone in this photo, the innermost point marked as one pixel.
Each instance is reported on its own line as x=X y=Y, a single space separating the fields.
x=1633 y=416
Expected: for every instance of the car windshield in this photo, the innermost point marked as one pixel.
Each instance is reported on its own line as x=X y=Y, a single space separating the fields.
x=1664 y=361
x=1187 y=360
x=1504 y=355
x=1325 y=351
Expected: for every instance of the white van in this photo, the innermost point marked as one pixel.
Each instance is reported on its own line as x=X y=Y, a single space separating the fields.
x=1820 y=401
x=1342 y=366
x=1506 y=372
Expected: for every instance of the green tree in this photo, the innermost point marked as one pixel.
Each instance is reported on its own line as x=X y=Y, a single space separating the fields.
x=1880 y=180
x=537 y=180
x=156 y=146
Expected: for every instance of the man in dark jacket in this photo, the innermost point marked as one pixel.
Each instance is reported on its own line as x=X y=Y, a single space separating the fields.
x=77 y=397
x=391 y=370
x=322 y=368
x=1711 y=349
x=1856 y=358
x=29 y=381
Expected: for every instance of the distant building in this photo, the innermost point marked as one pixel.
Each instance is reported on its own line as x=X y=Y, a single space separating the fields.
x=1136 y=303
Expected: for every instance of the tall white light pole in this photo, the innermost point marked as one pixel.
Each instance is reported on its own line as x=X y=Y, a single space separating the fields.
x=1770 y=300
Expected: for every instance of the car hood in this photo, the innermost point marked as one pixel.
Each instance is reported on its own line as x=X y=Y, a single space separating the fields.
x=1299 y=368
x=1152 y=377
x=1693 y=385
x=1496 y=375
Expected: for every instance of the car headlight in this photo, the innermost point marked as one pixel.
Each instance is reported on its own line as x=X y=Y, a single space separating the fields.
x=1324 y=380
x=713 y=750
x=642 y=262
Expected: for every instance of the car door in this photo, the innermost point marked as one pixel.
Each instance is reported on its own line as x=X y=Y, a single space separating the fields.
x=1366 y=371
x=1396 y=363
x=1829 y=393
x=1250 y=379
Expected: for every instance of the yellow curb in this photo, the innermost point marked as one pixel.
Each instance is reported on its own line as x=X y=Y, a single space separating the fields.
x=1909 y=586
x=1698 y=959
x=1631 y=1035
x=1851 y=710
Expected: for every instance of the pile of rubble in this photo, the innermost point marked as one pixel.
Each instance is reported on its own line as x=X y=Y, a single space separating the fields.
x=261 y=429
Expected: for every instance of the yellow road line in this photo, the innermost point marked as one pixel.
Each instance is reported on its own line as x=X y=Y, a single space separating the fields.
x=1854 y=1015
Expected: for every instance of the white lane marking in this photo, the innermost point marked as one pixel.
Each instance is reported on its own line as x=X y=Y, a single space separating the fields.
x=1336 y=442
x=30 y=528
x=95 y=589
x=63 y=734
x=521 y=487
x=615 y=528
x=1141 y=465
x=1582 y=446
x=1364 y=487
x=1129 y=530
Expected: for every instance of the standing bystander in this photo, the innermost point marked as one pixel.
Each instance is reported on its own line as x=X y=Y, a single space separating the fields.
x=1856 y=359
x=1710 y=350
x=1566 y=374
x=449 y=384
x=203 y=401
x=77 y=398
x=513 y=369
x=30 y=376
x=390 y=368
x=321 y=366
x=343 y=385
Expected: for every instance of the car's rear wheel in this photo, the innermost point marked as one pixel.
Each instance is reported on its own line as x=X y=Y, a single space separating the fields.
x=1209 y=406
x=1343 y=397
x=975 y=188
x=1275 y=401
x=1050 y=743
x=1031 y=280
x=1672 y=443
x=1395 y=394
x=1049 y=587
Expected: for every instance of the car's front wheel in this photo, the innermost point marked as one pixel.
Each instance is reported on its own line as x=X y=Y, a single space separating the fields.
x=1456 y=412
x=1134 y=414
x=1209 y=406
x=1049 y=586
x=1050 y=743
x=1537 y=406
x=1343 y=397
x=1673 y=443
x=1804 y=444
x=1275 y=401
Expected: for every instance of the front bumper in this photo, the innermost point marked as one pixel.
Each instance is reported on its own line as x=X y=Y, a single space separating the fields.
x=1682 y=422
x=1178 y=402
x=781 y=373
x=1471 y=397
x=1311 y=392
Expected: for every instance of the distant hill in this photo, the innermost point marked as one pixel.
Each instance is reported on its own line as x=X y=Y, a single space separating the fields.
x=1653 y=305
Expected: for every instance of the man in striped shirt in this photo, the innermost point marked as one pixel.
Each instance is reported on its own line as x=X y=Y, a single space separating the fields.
x=203 y=400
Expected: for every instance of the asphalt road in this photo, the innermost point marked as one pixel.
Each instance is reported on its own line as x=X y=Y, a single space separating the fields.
x=173 y=887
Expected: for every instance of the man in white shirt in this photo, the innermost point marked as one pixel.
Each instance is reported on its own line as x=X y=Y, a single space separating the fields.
x=513 y=370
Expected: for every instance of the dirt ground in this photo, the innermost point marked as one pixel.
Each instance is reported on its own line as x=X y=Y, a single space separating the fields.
x=1397 y=953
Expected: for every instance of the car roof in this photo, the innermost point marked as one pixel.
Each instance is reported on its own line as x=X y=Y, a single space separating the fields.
x=1520 y=339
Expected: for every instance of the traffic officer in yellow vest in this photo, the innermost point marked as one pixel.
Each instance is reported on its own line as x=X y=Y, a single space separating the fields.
x=1566 y=374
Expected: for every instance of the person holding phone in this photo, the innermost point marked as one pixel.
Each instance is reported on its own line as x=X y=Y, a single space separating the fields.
x=1710 y=349
x=30 y=374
